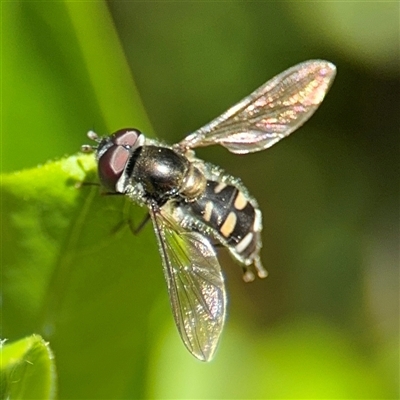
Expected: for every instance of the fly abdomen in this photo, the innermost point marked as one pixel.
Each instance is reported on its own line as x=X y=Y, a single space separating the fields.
x=229 y=212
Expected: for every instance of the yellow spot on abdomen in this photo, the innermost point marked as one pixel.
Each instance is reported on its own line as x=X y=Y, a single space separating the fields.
x=240 y=201
x=219 y=187
x=229 y=225
x=244 y=243
x=207 y=211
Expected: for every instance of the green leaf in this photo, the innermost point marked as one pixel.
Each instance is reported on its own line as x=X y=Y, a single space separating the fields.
x=74 y=272
x=27 y=370
x=71 y=269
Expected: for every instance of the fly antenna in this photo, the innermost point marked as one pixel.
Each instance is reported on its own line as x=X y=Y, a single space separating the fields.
x=87 y=148
x=92 y=135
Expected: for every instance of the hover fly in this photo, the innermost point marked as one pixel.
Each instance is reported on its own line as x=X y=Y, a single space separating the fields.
x=194 y=204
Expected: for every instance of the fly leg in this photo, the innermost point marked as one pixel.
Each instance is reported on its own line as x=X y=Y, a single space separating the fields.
x=248 y=275
x=136 y=230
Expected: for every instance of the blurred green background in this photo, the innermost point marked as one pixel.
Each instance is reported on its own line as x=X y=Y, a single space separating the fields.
x=325 y=324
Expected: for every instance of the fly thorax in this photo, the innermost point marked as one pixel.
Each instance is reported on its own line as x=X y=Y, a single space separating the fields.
x=194 y=183
x=161 y=171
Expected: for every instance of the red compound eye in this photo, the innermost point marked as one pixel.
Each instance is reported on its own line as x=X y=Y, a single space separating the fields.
x=111 y=166
x=126 y=137
x=117 y=151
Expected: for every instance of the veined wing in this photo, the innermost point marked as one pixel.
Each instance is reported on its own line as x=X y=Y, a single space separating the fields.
x=270 y=113
x=195 y=284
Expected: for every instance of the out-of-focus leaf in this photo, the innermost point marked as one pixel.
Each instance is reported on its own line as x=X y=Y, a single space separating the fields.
x=63 y=72
x=27 y=370
x=306 y=359
x=189 y=74
x=366 y=32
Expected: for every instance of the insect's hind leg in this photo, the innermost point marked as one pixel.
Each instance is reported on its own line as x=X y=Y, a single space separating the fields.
x=261 y=271
x=248 y=275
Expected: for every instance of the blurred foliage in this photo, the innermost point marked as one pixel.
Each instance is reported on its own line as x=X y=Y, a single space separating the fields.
x=326 y=321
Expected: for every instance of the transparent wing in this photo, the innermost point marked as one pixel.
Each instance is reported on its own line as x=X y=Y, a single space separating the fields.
x=195 y=285
x=270 y=113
